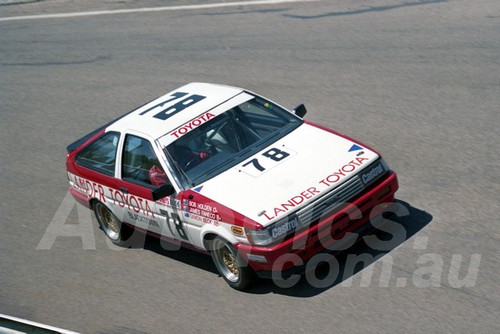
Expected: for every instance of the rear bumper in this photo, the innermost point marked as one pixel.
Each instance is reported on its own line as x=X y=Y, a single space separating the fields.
x=82 y=199
x=291 y=255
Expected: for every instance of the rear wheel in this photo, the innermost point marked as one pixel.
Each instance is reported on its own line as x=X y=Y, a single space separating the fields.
x=118 y=233
x=230 y=265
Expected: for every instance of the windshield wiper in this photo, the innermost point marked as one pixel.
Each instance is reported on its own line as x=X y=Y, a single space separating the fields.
x=213 y=170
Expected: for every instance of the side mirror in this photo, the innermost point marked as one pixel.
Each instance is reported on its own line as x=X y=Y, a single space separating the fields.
x=163 y=191
x=300 y=110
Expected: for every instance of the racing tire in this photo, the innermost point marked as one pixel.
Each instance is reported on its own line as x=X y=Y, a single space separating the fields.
x=230 y=265
x=117 y=232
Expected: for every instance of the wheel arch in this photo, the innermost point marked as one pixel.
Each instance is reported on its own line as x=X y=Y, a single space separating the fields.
x=210 y=232
x=93 y=201
x=207 y=238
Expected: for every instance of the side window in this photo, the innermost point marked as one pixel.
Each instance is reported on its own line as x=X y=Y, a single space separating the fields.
x=140 y=164
x=101 y=154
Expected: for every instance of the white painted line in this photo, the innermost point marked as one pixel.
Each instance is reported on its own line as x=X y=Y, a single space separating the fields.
x=150 y=9
x=33 y=327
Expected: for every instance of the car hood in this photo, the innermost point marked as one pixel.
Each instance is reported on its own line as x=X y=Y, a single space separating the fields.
x=289 y=174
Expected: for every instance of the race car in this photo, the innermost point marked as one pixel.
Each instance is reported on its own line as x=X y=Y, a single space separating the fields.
x=233 y=174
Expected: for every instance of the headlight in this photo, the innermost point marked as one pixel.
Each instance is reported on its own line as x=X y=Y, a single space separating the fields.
x=273 y=233
x=259 y=237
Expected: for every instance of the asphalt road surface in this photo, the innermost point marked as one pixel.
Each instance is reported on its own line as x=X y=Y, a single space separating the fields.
x=417 y=80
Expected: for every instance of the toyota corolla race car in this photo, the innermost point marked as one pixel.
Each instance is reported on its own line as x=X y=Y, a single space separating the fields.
x=228 y=172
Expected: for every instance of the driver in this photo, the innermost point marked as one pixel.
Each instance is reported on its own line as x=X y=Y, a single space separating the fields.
x=186 y=157
x=157 y=176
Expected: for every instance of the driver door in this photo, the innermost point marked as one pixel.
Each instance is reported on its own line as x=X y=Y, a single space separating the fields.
x=141 y=173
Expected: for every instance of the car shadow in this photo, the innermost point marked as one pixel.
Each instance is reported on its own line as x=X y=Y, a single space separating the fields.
x=400 y=227
x=335 y=270
x=188 y=256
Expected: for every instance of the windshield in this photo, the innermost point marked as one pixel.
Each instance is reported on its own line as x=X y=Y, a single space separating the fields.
x=228 y=139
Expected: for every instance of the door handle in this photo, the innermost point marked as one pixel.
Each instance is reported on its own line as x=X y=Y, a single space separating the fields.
x=124 y=190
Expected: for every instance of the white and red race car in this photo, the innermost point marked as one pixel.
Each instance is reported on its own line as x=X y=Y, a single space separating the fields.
x=231 y=173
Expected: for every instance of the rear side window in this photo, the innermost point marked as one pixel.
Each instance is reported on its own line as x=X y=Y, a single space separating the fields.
x=101 y=154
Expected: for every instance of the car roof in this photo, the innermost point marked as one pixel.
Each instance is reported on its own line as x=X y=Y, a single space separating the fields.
x=149 y=119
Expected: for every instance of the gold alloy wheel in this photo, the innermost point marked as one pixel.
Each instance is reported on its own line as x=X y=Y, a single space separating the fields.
x=225 y=260
x=109 y=223
x=230 y=261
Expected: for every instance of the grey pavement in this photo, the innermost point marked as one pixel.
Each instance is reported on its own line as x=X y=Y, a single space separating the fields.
x=418 y=80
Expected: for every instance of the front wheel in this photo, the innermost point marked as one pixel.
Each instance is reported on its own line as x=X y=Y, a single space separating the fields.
x=118 y=233
x=230 y=265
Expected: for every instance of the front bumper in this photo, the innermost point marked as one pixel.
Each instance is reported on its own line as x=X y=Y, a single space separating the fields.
x=290 y=255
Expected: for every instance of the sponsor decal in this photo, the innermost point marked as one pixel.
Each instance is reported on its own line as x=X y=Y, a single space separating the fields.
x=373 y=173
x=202 y=212
x=192 y=125
x=198 y=190
x=142 y=219
x=335 y=177
x=293 y=202
x=103 y=193
x=285 y=227
x=343 y=171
